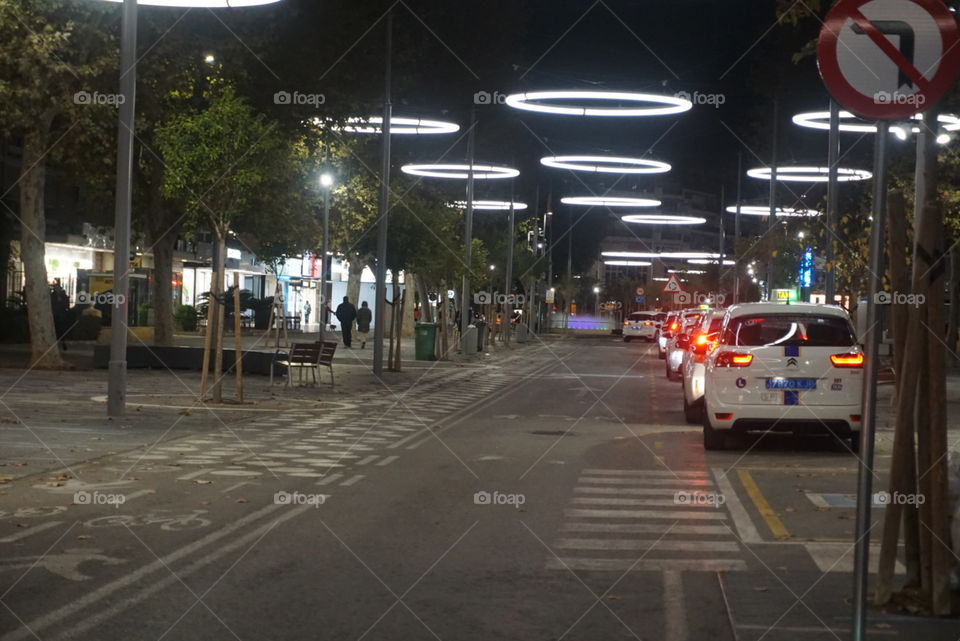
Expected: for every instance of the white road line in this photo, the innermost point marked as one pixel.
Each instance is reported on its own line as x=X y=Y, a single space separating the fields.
x=687 y=483
x=233 y=487
x=648 y=544
x=329 y=479
x=674 y=609
x=369 y=459
x=837 y=632
x=137 y=494
x=30 y=531
x=675 y=515
x=604 y=500
x=192 y=475
x=350 y=481
x=646 y=528
x=32 y=628
x=630 y=491
x=673 y=473
x=387 y=461
x=655 y=565
x=741 y=518
x=838 y=557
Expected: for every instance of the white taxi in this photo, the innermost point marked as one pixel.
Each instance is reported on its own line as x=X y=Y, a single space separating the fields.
x=794 y=368
x=703 y=338
x=642 y=325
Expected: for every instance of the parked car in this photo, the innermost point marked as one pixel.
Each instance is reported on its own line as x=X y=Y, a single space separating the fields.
x=680 y=341
x=642 y=325
x=703 y=339
x=777 y=367
x=668 y=327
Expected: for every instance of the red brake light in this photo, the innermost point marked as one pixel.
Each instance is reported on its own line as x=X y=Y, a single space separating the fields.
x=648 y=323
x=702 y=339
x=626 y=323
x=734 y=359
x=674 y=326
x=847 y=360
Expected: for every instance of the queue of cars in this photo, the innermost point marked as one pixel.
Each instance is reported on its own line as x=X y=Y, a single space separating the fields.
x=765 y=367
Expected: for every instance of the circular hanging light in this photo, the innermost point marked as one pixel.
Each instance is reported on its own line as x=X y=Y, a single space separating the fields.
x=546 y=102
x=459 y=172
x=662 y=219
x=607 y=164
x=821 y=120
x=709 y=261
x=628 y=263
x=780 y=212
x=203 y=4
x=490 y=205
x=810 y=174
x=399 y=125
x=610 y=201
x=661 y=255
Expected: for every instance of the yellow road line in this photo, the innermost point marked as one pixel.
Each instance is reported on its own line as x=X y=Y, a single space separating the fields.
x=763 y=507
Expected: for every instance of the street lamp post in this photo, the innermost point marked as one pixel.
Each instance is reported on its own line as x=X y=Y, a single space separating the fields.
x=596 y=290
x=326 y=181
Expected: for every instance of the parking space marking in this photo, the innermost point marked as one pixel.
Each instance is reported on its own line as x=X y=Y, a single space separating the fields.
x=773 y=521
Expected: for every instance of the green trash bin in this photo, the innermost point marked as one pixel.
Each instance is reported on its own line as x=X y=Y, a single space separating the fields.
x=425 y=339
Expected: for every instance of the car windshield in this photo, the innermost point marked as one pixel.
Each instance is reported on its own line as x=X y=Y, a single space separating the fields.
x=640 y=316
x=790 y=329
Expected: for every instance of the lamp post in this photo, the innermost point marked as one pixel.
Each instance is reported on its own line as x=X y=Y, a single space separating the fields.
x=596 y=290
x=326 y=181
x=117 y=367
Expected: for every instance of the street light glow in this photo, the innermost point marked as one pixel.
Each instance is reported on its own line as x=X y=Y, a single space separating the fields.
x=606 y=164
x=398 y=125
x=326 y=180
x=628 y=263
x=539 y=101
x=662 y=219
x=810 y=174
x=762 y=210
x=202 y=4
x=489 y=205
x=610 y=201
x=821 y=120
x=459 y=171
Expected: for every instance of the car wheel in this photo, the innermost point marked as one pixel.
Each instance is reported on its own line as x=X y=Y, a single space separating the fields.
x=661 y=355
x=855 y=442
x=691 y=412
x=712 y=439
x=626 y=339
x=672 y=375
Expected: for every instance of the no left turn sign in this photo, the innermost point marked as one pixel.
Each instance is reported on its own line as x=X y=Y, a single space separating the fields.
x=888 y=59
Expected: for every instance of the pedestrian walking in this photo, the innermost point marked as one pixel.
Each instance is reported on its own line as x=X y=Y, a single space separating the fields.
x=306 y=312
x=346 y=313
x=364 y=318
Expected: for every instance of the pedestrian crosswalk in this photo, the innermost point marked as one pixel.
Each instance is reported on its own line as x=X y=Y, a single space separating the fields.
x=646 y=520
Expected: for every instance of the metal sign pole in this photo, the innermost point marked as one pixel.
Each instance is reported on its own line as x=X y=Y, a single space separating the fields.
x=833 y=157
x=468 y=241
x=869 y=409
x=771 y=223
x=381 y=286
x=736 y=230
x=117 y=367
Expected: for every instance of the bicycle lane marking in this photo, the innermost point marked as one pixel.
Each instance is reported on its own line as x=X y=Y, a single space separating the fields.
x=41 y=623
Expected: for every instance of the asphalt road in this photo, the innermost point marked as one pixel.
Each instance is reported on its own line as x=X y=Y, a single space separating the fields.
x=556 y=495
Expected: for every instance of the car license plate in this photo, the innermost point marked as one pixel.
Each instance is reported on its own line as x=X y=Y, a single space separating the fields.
x=792 y=383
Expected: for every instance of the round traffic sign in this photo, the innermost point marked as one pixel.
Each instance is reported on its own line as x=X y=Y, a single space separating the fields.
x=639 y=291
x=888 y=59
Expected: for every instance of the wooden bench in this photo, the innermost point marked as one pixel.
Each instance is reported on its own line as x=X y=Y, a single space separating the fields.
x=306 y=355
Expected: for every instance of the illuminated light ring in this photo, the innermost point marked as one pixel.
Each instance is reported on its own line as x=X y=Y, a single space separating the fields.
x=490 y=205
x=708 y=261
x=399 y=126
x=810 y=174
x=821 y=120
x=610 y=201
x=606 y=164
x=460 y=172
x=628 y=263
x=533 y=101
x=781 y=212
x=668 y=255
x=662 y=219
x=203 y=4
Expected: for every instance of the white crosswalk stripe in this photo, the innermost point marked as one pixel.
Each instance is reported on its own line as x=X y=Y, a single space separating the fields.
x=646 y=520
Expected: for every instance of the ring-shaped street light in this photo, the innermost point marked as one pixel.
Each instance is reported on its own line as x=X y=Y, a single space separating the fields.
x=544 y=102
x=628 y=263
x=662 y=219
x=821 y=120
x=203 y=4
x=810 y=174
x=780 y=212
x=399 y=125
x=710 y=261
x=610 y=201
x=459 y=172
x=661 y=255
x=607 y=164
x=490 y=205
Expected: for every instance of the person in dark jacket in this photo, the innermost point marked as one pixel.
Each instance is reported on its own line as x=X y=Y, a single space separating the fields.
x=346 y=313
x=364 y=318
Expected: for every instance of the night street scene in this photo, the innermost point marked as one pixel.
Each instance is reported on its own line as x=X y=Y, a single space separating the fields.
x=396 y=320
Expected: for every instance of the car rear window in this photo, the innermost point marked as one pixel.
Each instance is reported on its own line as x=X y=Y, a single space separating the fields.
x=790 y=329
x=641 y=316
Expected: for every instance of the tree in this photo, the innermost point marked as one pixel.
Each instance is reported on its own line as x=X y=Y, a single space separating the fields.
x=53 y=54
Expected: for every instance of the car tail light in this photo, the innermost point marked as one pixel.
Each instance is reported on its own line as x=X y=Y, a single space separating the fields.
x=847 y=360
x=723 y=416
x=855 y=418
x=626 y=323
x=734 y=359
x=674 y=326
x=648 y=323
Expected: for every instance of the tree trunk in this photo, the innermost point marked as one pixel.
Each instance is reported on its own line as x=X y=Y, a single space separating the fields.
x=400 y=315
x=44 y=350
x=406 y=310
x=444 y=320
x=426 y=309
x=954 y=323
x=216 y=311
x=355 y=271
